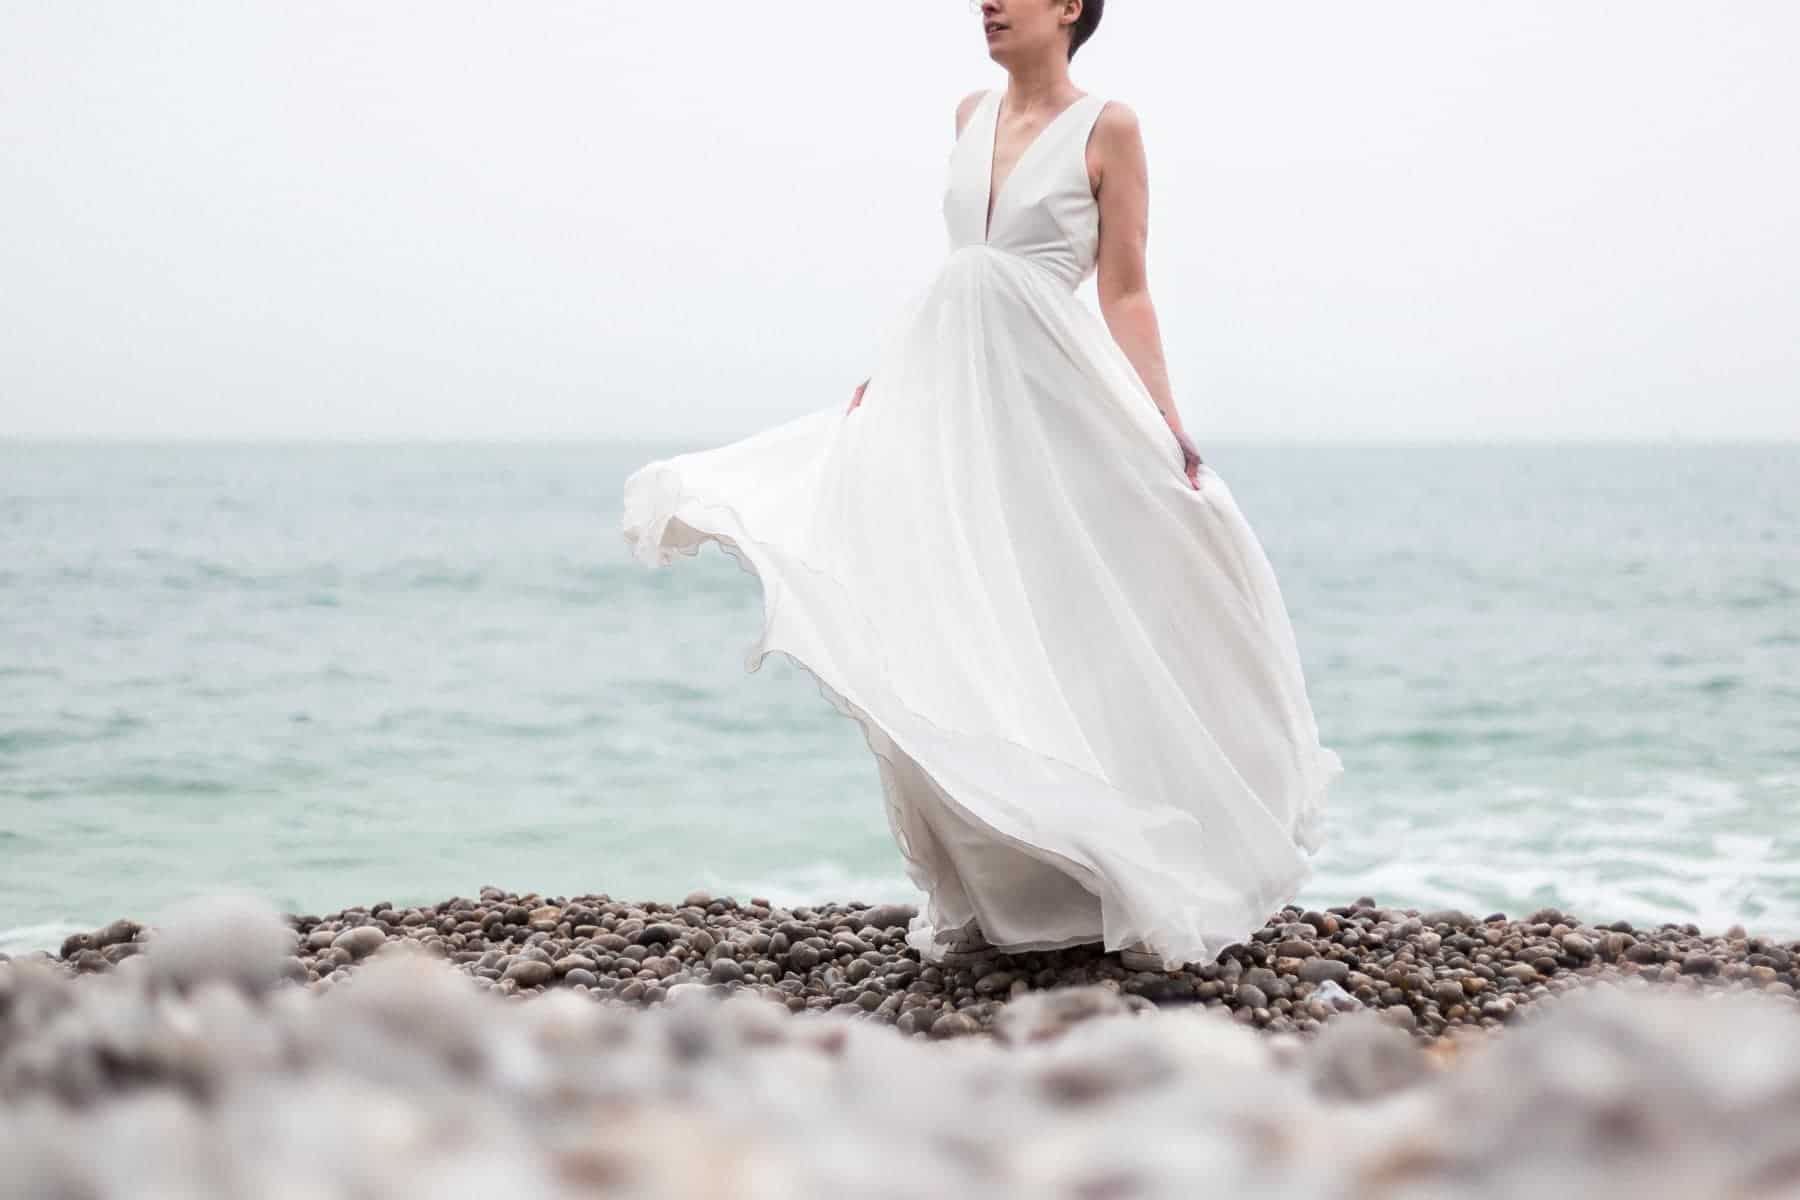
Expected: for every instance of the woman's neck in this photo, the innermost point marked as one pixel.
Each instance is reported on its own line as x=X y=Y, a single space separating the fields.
x=1038 y=85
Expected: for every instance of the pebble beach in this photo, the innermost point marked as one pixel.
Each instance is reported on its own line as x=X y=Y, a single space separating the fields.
x=591 y=1046
x=1435 y=974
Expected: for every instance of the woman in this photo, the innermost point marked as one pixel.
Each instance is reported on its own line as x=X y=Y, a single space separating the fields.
x=1007 y=562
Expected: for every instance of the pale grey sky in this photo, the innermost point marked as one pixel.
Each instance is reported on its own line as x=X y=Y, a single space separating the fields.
x=1413 y=219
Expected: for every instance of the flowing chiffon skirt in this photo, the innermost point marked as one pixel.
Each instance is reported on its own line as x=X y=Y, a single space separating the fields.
x=1075 y=671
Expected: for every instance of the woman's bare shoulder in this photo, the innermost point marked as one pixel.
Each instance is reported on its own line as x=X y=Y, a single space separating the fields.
x=1115 y=143
x=1117 y=120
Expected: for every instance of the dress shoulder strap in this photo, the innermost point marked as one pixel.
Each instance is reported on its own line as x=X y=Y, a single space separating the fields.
x=1084 y=122
x=984 y=111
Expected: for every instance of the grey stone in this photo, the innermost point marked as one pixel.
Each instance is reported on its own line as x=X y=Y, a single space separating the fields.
x=888 y=916
x=239 y=939
x=529 y=972
x=360 y=941
x=1317 y=970
x=1362 y=1057
x=953 y=1024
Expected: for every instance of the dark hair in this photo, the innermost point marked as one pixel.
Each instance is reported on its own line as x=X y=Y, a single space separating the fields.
x=1085 y=24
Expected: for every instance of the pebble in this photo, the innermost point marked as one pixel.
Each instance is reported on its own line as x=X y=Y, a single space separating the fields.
x=1434 y=974
x=404 y=1076
x=234 y=937
x=360 y=941
x=1317 y=970
x=888 y=916
x=529 y=972
x=952 y=1024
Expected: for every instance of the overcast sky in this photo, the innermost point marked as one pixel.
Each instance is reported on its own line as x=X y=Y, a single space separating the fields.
x=347 y=218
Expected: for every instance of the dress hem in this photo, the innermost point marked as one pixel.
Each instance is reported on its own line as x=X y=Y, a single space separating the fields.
x=646 y=534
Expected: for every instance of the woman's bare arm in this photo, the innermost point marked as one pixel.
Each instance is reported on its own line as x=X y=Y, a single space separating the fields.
x=1121 y=277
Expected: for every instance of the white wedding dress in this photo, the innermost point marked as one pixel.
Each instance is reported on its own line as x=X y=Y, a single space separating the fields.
x=1075 y=671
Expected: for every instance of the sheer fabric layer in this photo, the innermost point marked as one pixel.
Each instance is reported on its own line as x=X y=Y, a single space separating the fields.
x=1076 y=673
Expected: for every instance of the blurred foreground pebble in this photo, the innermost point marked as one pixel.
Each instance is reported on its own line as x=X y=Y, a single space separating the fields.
x=208 y=1055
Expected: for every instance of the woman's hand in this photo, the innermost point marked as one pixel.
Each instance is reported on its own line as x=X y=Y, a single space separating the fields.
x=1190 y=458
x=857 y=398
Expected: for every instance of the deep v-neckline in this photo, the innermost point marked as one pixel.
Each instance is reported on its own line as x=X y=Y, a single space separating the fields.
x=990 y=200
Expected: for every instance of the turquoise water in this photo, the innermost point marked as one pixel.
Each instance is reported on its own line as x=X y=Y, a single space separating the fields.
x=342 y=674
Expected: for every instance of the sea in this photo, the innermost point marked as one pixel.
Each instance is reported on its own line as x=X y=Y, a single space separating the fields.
x=337 y=673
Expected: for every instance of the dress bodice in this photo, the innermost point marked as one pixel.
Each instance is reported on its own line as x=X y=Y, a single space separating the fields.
x=1045 y=211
